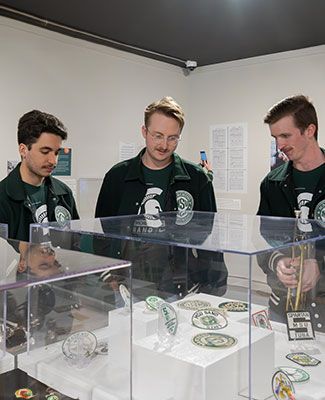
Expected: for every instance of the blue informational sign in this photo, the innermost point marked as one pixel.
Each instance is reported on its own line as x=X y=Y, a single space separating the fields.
x=63 y=167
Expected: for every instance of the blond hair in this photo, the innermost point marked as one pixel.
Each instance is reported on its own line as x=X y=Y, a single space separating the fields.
x=166 y=106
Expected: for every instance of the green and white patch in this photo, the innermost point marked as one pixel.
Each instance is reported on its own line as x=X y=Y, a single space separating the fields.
x=52 y=397
x=153 y=302
x=62 y=214
x=234 y=306
x=185 y=205
x=303 y=359
x=193 y=304
x=214 y=340
x=169 y=317
x=79 y=344
x=297 y=375
x=209 y=318
x=319 y=213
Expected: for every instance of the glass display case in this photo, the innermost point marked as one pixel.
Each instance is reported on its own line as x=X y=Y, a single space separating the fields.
x=56 y=341
x=224 y=305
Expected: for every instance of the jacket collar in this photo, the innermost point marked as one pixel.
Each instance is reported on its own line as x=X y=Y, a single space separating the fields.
x=282 y=173
x=135 y=170
x=15 y=186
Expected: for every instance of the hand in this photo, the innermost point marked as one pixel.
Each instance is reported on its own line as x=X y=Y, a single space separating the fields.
x=283 y=156
x=310 y=275
x=207 y=165
x=286 y=271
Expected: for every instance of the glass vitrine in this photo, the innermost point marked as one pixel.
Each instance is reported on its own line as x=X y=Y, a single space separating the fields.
x=56 y=338
x=212 y=317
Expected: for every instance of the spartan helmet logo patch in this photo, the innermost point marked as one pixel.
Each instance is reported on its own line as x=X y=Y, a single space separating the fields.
x=62 y=214
x=319 y=213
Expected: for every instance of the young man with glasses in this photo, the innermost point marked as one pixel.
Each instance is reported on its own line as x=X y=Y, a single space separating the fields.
x=157 y=179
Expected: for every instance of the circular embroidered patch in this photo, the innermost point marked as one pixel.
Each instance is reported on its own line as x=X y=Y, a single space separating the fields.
x=53 y=396
x=282 y=386
x=193 y=304
x=24 y=393
x=234 y=306
x=185 y=204
x=79 y=344
x=319 y=213
x=184 y=200
x=62 y=214
x=214 y=340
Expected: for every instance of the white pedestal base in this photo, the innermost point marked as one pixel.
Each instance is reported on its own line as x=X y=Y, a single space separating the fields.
x=186 y=371
x=6 y=363
x=109 y=374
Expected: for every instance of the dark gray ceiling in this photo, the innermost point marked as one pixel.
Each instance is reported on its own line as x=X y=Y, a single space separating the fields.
x=206 y=31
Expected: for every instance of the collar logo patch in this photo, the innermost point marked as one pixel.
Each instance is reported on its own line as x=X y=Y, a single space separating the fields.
x=319 y=214
x=185 y=204
x=62 y=214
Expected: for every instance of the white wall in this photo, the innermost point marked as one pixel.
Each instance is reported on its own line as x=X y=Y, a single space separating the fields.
x=100 y=94
x=243 y=91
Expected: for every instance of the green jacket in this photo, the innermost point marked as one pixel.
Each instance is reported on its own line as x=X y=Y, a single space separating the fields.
x=124 y=188
x=278 y=197
x=15 y=209
x=122 y=192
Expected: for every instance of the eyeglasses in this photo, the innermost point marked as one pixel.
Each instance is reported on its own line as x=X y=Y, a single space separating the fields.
x=160 y=138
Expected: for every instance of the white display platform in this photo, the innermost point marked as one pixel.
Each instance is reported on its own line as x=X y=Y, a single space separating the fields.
x=7 y=363
x=145 y=325
x=144 y=321
x=186 y=371
x=109 y=374
x=100 y=393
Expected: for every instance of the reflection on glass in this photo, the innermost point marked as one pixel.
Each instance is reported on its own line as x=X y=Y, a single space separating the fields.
x=38 y=260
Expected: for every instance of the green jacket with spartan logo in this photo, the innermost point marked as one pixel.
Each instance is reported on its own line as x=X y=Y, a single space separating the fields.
x=15 y=209
x=124 y=188
x=189 y=188
x=278 y=197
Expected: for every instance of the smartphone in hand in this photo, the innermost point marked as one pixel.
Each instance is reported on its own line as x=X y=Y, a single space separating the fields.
x=203 y=156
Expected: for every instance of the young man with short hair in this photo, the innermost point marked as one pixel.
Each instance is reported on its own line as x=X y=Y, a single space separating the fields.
x=301 y=181
x=157 y=179
x=296 y=187
x=29 y=194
